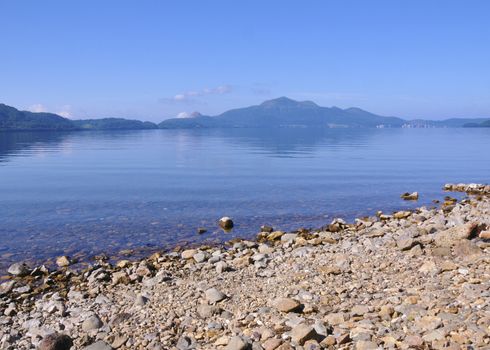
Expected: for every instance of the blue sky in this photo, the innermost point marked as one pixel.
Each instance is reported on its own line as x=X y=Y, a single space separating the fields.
x=155 y=59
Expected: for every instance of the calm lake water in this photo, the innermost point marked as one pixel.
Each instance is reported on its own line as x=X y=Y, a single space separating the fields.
x=83 y=193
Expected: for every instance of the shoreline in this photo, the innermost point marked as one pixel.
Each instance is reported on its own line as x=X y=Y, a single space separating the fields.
x=308 y=289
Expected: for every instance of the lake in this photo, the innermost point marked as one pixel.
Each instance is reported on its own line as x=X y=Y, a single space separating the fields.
x=86 y=193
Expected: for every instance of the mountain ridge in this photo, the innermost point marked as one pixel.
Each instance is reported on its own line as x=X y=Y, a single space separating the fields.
x=274 y=113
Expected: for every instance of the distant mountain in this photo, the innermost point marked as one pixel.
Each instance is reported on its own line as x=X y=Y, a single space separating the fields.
x=13 y=119
x=285 y=112
x=280 y=112
x=113 y=124
x=485 y=124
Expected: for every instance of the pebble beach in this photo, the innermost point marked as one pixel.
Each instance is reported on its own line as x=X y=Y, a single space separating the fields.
x=416 y=279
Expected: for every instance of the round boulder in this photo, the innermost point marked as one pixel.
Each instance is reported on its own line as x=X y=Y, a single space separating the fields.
x=226 y=223
x=56 y=341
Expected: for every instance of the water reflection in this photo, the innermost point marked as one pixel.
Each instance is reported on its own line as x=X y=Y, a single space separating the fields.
x=91 y=192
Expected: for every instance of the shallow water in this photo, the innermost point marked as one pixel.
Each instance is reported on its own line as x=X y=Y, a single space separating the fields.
x=83 y=193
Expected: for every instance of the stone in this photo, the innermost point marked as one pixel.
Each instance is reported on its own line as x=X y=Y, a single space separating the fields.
x=185 y=343
x=140 y=300
x=402 y=214
x=275 y=235
x=205 y=311
x=334 y=319
x=222 y=341
x=484 y=235
x=311 y=345
x=188 y=254
x=213 y=295
x=91 y=323
x=55 y=341
x=413 y=341
x=200 y=257
x=286 y=304
x=266 y=228
x=448 y=266
x=386 y=312
x=123 y=264
x=6 y=287
x=302 y=332
x=288 y=237
x=120 y=277
x=119 y=341
x=19 y=269
x=221 y=267
x=405 y=242
x=271 y=344
x=366 y=345
x=236 y=343
x=63 y=261
x=226 y=223
x=359 y=310
x=410 y=196
x=201 y=230
x=100 y=345
x=428 y=323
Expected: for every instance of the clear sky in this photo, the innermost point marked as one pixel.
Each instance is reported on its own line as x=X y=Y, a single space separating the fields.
x=155 y=59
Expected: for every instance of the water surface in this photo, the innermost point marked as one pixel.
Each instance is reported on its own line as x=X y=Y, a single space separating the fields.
x=83 y=193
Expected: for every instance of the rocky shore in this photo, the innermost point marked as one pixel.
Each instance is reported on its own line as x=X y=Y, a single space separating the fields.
x=409 y=280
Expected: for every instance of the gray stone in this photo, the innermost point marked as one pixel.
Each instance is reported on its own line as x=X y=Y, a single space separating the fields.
x=6 y=287
x=19 y=269
x=100 y=345
x=214 y=295
x=221 y=267
x=91 y=323
x=140 y=300
x=185 y=343
x=200 y=257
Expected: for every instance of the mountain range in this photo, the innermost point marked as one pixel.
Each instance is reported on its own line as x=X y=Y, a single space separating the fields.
x=276 y=113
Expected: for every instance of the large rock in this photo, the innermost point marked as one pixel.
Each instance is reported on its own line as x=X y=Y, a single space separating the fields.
x=451 y=236
x=19 y=269
x=56 y=341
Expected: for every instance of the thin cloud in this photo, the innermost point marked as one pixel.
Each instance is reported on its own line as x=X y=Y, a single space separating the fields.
x=190 y=96
x=37 y=108
x=64 y=111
